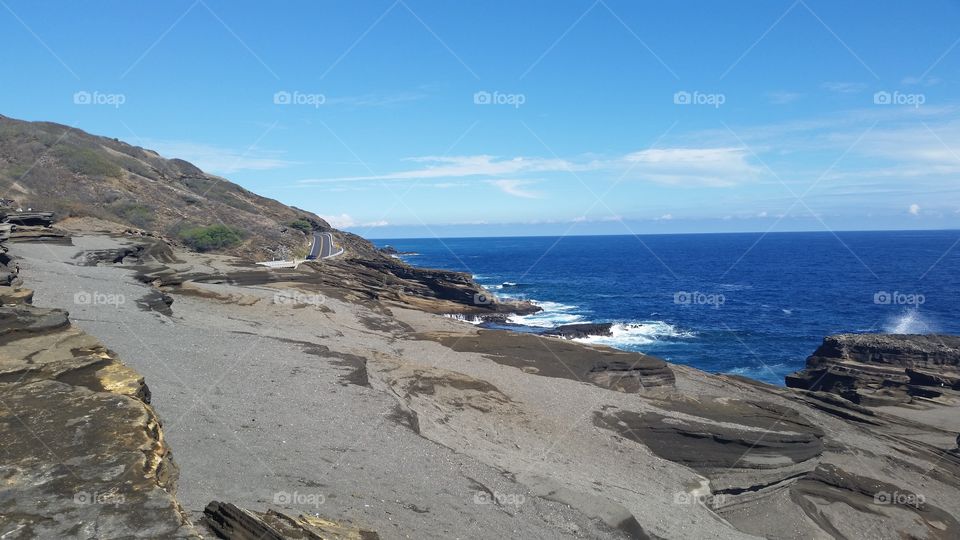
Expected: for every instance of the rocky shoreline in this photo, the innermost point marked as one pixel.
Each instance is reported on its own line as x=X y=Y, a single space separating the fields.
x=526 y=434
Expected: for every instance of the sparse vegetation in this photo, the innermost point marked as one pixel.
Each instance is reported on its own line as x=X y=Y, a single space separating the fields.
x=302 y=225
x=137 y=215
x=85 y=161
x=211 y=238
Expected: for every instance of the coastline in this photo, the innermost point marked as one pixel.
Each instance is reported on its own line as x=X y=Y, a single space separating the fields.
x=279 y=394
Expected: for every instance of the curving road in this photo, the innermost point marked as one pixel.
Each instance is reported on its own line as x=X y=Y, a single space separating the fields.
x=322 y=247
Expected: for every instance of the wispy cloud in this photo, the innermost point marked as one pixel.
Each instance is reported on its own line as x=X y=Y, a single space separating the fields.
x=346 y=221
x=717 y=167
x=844 y=87
x=461 y=166
x=515 y=188
x=219 y=159
x=674 y=166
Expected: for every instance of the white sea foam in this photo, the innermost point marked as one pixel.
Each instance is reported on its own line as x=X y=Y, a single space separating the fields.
x=910 y=322
x=464 y=318
x=553 y=314
x=640 y=333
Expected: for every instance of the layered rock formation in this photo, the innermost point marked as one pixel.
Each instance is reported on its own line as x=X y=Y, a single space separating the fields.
x=871 y=369
x=83 y=453
x=229 y=521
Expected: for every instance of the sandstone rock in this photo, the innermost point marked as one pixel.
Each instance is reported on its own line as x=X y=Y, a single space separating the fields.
x=233 y=523
x=80 y=436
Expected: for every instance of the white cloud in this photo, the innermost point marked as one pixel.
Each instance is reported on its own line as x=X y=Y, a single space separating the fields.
x=515 y=188
x=715 y=167
x=665 y=217
x=709 y=166
x=343 y=221
x=380 y=223
x=915 y=209
x=462 y=166
x=218 y=159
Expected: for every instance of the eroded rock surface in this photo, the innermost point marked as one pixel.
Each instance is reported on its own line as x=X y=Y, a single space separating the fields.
x=874 y=369
x=229 y=521
x=83 y=455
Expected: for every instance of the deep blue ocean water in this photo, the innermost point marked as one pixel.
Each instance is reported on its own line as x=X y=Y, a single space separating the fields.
x=748 y=304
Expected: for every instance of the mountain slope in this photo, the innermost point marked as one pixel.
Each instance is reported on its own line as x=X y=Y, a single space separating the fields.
x=56 y=167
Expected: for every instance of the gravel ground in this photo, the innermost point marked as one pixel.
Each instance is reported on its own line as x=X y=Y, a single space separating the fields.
x=258 y=420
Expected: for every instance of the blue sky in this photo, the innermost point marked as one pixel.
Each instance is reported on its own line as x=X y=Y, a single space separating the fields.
x=410 y=118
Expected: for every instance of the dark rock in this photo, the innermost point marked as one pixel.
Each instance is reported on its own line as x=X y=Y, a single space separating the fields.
x=29 y=218
x=156 y=301
x=876 y=369
x=609 y=368
x=581 y=330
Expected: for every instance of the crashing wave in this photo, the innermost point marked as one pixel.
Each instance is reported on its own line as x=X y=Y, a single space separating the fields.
x=633 y=334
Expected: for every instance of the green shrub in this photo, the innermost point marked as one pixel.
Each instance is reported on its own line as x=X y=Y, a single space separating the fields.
x=210 y=238
x=136 y=214
x=302 y=225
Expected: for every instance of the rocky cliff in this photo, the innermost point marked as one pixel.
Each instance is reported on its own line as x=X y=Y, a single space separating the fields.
x=871 y=369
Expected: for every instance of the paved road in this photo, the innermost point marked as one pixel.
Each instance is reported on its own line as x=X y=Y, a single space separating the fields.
x=322 y=246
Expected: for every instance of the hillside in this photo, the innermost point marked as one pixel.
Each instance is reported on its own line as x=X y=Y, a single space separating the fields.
x=73 y=173
x=49 y=166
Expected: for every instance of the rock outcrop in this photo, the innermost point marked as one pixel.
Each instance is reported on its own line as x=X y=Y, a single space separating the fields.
x=229 y=521
x=581 y=330
x=876 y=369
x=79 y=435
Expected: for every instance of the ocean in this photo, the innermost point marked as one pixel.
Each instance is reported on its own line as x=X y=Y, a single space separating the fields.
x=747 y=303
